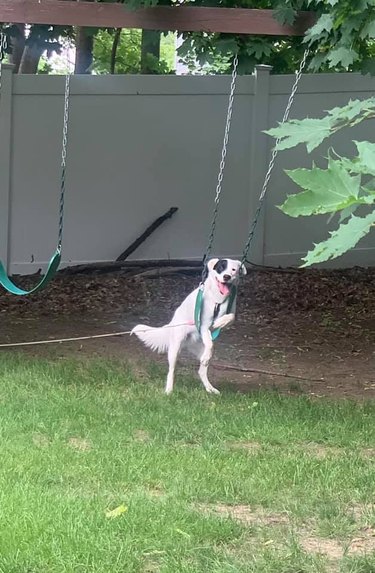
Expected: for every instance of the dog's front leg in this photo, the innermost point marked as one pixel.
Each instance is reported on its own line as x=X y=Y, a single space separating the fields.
x=205 y=360
x=224 y=321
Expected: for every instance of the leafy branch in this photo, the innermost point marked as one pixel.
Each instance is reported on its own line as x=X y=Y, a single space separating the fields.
x=343 y=35
x=312 y=132
x=344 y=186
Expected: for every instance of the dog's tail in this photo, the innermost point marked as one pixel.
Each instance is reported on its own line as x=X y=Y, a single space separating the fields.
x=155 y=338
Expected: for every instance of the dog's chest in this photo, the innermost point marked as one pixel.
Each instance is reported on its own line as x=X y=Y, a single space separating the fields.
x=213 y=310
x=216 y=311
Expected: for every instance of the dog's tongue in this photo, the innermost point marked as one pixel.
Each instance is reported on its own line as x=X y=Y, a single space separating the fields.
x=223 y=288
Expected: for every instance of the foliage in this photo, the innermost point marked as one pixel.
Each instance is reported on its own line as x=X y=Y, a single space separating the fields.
x=128 y=58
x=343 y=37
x=26 y=46
x=214 y=52
x=344 y=186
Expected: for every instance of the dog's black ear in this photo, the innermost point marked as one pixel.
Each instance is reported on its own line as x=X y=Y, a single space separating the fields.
x=211 y=263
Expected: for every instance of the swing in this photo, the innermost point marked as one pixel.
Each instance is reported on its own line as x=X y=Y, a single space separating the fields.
x=54 y=263
x=232 y=296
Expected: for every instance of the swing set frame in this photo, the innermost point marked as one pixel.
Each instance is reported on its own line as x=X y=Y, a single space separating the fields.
x=180 y=18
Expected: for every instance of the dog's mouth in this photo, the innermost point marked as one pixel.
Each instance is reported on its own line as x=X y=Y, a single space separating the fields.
x=224 y=288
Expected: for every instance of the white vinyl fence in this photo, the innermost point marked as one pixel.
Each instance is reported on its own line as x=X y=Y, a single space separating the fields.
x=139 y=145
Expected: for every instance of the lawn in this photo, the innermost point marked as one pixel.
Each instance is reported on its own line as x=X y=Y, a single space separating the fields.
x=101 y=472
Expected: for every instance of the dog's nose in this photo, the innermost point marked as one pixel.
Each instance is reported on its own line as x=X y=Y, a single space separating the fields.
x=227 y=277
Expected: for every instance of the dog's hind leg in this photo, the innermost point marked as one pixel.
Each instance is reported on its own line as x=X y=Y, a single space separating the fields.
x=204 y=362
x=173 y=352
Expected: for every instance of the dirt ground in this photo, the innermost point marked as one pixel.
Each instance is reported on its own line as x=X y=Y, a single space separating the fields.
x=301 y=332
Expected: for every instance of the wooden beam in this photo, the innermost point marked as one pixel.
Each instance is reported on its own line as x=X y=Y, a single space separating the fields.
x=180 y=18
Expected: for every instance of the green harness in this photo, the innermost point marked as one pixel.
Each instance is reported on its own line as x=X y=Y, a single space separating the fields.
x=199 y=307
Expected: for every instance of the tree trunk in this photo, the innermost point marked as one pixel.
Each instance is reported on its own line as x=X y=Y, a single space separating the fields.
x=150 y=46
x=84 y=51
x=30 y=59
x=115 y=45
x=18 y=46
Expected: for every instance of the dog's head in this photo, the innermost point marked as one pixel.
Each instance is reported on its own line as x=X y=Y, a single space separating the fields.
x=225 y=272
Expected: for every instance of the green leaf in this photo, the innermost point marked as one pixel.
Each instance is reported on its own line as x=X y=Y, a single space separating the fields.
x=324 y=24
x=350 y=27
x=368 y=66
x=116 y=512
x=352 y=109
x=317 y=61
x=347 y=212
x=309 y=131
x=369 y=188
x=259 y=49
x=342 y=56
x=342 y=240
x=368 y=30
x=364 y=163
x=326 y=190
x=285 y=14
x=366 y=157
x=227 y=46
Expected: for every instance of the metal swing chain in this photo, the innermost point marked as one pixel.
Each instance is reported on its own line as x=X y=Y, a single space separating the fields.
x=273 y=159
x=3 y=48
x=222 y=164
x=63 y=158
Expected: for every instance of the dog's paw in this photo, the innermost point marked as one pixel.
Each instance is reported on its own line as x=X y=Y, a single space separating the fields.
x=212 y=390
x=168 y=391
x=224 y=321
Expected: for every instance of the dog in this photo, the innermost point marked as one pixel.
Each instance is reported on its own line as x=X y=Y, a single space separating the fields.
x=223 y=275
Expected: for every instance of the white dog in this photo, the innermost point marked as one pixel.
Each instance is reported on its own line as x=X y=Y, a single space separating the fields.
x=219 y=288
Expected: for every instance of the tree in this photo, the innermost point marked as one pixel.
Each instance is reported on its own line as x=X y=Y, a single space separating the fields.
x=27 y=44
x=84 y=43
x=342 y=38
x=126 y=58
x=150 y=46
x=215 y=52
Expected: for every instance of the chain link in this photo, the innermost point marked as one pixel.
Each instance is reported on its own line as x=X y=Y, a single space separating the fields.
x=3 y=45
x=63 y=159
x=222 y=165
x=3 y=48
x=273 y=158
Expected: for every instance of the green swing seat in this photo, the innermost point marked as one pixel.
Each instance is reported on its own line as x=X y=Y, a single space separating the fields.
x=12 y=288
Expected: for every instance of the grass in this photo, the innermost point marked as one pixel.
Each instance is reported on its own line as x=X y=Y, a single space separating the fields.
x=258 y=483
